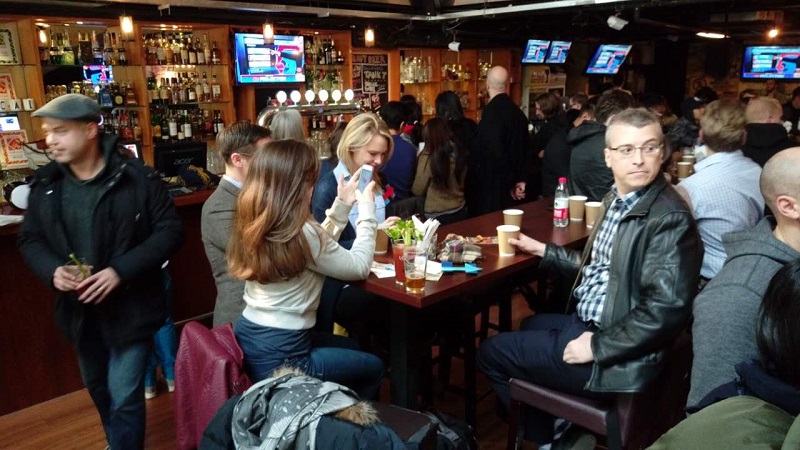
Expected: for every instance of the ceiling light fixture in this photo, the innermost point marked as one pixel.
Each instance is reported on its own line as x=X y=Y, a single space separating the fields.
x=269 y=33
x=126 y=26
x=773 y=33
x=369 y=37
x=710 y=35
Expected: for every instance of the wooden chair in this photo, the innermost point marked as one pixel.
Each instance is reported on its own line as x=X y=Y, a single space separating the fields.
x=630 y=421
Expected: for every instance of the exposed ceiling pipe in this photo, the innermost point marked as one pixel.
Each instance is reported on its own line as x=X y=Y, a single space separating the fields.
x=277 y=8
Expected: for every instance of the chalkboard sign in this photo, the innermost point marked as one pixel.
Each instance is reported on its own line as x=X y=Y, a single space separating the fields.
x=371 y=80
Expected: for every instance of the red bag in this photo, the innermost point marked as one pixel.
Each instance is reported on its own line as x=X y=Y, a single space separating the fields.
x=208 y=371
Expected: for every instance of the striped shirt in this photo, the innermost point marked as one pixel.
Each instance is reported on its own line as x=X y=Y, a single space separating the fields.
x=591 y=293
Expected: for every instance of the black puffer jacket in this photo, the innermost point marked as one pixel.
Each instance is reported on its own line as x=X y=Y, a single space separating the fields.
x=655 y=268
x=588 y=173
x=136 y=229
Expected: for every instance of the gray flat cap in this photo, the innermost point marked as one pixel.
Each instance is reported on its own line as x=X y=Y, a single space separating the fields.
x=71 y=107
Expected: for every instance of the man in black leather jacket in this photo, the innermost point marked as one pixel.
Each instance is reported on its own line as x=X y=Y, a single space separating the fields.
x=633 y=291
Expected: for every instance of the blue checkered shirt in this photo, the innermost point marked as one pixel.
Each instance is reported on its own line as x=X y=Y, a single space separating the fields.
x=591 y=293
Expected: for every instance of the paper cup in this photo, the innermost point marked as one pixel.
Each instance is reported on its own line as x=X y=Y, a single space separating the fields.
x=381 y=242
x=576 y=207
x=592 y=213
x=512 y=217
x=689 y=159
x=504 y=233
x=684 y=170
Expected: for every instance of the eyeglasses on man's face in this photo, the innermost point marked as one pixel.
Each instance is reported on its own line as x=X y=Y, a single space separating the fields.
x=650 y=148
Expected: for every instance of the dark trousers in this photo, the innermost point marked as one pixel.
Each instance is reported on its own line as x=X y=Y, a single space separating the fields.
x=535 y=354
x=114 y=377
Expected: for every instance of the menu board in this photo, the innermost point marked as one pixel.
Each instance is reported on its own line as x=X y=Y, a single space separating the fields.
x=371 y=80
x=12 y=153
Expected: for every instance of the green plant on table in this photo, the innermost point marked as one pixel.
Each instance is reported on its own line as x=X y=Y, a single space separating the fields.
x=403 y=231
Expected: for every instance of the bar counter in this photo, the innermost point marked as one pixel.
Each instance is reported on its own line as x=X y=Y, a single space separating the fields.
x=37 y=363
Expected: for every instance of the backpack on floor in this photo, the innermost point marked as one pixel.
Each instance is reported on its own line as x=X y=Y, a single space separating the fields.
x=453 y=434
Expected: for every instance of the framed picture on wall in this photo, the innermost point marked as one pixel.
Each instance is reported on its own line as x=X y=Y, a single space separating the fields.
x=9 y=51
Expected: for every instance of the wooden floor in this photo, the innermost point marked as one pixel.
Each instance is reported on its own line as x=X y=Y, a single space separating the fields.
x=71 y=422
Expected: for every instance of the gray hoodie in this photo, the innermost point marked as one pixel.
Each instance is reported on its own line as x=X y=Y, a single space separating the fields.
x=725 y=312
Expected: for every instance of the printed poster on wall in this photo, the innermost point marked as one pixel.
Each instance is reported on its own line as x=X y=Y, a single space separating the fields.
x=371 y=80
x=12 y=153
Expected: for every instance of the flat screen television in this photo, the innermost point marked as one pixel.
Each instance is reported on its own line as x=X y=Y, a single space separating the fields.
x=258 y=63
x=558 y=52
x=535 y=51
x=607 y=59
x=98 y=74
x=771 y=61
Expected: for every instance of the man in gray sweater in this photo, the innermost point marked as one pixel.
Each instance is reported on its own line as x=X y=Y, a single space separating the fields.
x=725 y=311
x=236 y=144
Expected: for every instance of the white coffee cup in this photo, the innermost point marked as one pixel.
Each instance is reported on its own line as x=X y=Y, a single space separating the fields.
x=15 y=105
x=28 y=104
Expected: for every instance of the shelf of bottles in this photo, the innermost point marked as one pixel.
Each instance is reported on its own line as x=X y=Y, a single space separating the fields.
x=324 y=64
x=92 y=48
x=180 y=92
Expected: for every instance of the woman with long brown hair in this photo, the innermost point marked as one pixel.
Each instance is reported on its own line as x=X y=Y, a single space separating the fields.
x=284 y=255
x=441 y=171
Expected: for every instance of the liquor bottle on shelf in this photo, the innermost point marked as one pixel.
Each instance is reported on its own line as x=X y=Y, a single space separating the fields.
x=55 y=58
x=97 y=52
x=206 y=89
x=108 y=52
x=191 y=89
x=339 y=58
x=44 y=53
x=164 y=92
x=126 y=126
x=152 y=87
x=137 y=129
x=84 y=49
x=208 y=125
x=187 y=126
x=216 y=89
x=155 y=123
x=152 y=52
x=216 y=56
x=206 y=51
x=161 y=50
x=219 y=125
x=114 y=49
x=201 y=57
x=192 y=51
x=122 y=53
x=130 y=95
x=173 y=127
x=68 y=55
x=176 y=91
x=117 y=95
x=164 y=126
x=184 y=51
x=104 y=98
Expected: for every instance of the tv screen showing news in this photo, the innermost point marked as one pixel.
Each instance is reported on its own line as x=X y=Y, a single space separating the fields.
x=98 y=74
x=558 y=52
x=259 y=63
x=535 y=51
x=771 y=62
x=607 y=59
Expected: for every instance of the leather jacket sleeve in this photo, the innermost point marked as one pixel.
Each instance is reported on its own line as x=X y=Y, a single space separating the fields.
x=670 y=271
x=566 y=261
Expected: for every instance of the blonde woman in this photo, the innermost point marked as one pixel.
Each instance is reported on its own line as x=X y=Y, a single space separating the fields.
x=366 y=141
x=284 y=255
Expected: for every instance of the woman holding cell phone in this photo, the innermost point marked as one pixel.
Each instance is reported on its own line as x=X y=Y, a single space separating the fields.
x=366 y=141
x=284 y=255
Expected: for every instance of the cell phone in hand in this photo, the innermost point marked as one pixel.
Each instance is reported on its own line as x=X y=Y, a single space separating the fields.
x=366 y=177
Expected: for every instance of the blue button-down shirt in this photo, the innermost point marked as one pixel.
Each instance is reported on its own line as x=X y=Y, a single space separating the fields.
x=591 y=293
x=380 y=204
x=725 y=197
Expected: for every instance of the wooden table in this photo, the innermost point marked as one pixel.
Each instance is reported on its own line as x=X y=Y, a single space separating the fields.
x=405 y=346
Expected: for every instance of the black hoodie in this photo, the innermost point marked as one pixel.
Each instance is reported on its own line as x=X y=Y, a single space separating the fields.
x=588 y=173
x=764 y=140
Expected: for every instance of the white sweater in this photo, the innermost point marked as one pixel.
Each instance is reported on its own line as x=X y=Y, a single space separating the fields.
x=292 y=304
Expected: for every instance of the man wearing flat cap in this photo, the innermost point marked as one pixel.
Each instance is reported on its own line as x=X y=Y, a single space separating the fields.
x=112 y=218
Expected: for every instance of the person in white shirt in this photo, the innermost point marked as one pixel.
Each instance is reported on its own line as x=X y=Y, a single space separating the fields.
x=284 y=255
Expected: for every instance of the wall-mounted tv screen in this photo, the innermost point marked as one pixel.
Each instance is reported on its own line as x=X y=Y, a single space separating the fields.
x=558 y=52
x=98 y=74
x=259 y=63
x=771 y=62
x=607 y=59
x=535 y=51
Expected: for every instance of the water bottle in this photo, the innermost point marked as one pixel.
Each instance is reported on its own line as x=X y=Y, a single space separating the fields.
x=561 y=204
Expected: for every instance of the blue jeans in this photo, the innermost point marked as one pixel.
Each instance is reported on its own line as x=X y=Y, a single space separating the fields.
x=535 y=353
x=165 y=348
x=115 y=380
x=327 y=357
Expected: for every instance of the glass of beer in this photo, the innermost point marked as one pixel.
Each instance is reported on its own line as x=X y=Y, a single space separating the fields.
x=415 y=261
